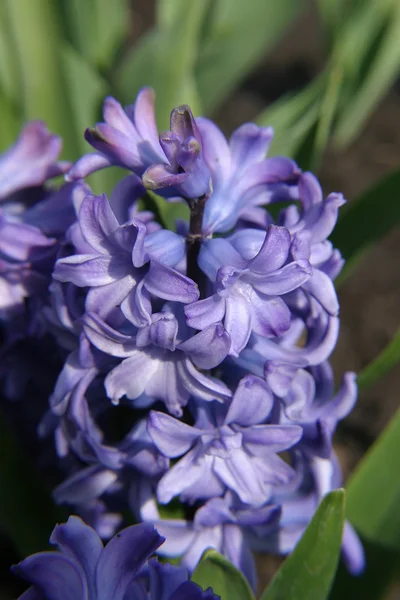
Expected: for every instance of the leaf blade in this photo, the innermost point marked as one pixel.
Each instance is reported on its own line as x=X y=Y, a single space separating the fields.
x=219 y=573
x=308 y=572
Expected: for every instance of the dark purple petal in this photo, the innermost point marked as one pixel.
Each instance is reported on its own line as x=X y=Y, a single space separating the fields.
x=123 y=557
x=79 y=541
x=57 y=576
x=165 y=579
x=191 y=591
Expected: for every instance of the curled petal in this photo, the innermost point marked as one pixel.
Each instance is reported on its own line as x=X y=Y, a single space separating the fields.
x=284 y=280
x=167 y=283
x=208 y=348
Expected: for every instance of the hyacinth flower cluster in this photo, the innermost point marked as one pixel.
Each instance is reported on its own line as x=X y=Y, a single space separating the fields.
x=192 y=371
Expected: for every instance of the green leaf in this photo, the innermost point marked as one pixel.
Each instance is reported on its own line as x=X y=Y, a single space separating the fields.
x=96 y=28
x=308 y=572
x=9 y=76
x=10 y=123
x=293 y=118
x=27 y=513
x=37 y=37
x=368 y=218
x=381 y=365
x=165 y=58
x=373 y=492
x=219 y=573
x=381 y=566
x=382 y=71
x=236 y=37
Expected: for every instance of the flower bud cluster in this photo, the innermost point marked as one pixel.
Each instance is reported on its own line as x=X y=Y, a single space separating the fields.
x=193 y=363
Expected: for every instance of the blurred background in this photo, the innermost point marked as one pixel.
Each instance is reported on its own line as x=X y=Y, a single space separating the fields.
x=324 y=73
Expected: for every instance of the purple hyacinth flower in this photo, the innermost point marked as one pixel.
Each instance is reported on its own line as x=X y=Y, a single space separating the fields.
x=109 y=259
x=248 y=287
x=239 y=170
x=222 y=526
x=308 y=400
x=228 y=447
x=31 y=160
x=128 y=138
x=186 y=170
x=83 y=568
x=158 y=362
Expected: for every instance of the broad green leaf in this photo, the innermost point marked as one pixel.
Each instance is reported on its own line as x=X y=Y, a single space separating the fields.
x=368 y=218
x=382 y=364
x=235 y=39
x=373 y=492
x=164 y=59
x=27 y=513
x=308 y=572
x=382 y=71
x=219 y=573
x=36 y=32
